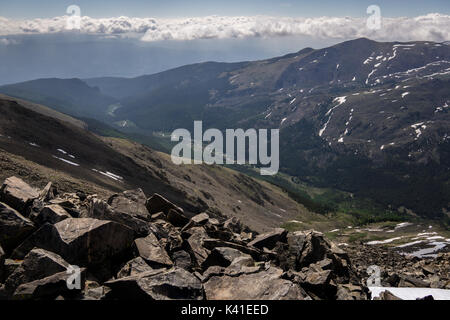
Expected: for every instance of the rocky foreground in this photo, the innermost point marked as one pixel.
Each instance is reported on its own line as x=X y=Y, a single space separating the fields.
x=134 y=247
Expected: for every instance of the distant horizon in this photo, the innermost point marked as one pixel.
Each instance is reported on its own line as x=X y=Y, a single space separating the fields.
x=87 y=39
x=199 y=62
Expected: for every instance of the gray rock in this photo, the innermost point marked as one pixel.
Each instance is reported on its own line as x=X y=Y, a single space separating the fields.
x=350 y=292
x=234 y=225
x=264 y=285
x=48 y=193
x=80 y=241
x=173 y=284
x=10 y=266
x=99 y=209
x=134 y=267
x=150 y=250
x=14 y=227
x=131 y=202
x=176 y=218
x=49 y=287
x=196 y=244
x=411 y=282
x=182 y=259
x=223 y=257
x=52 y=214
x=268 y=240
x=38 y=264
x=158 y=203
x=17 y=193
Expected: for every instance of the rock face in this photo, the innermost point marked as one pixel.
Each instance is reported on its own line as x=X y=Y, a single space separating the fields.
x=150 y=250
x=264 y=285
x=174 y=284
x=99 y=209
x=52 y=214
x=13 y=227
x=130 y=202
x=38 y=264
x=158 y=203
x=269 y=240
x=48 y=287
x=89 y=241
x=130 y=247
x=17 y=193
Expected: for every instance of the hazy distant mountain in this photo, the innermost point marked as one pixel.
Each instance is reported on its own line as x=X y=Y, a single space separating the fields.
x=368 y=117
x=71 y=96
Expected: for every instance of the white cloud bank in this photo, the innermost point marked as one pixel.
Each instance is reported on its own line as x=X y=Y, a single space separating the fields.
x=431 y=27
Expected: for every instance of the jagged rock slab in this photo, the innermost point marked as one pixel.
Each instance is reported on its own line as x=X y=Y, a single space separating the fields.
x=49 y=287
x=268 y=240
x=264 y=285
x=134 y=267
x=52 y=214
x=13 y=227
x=130 y=202
x=157 y=203
x=151 y=251
x=38 y=264
x=174 y=284
x=99 y=209
x=223 y=257
x=81 y=241
x=17 y=193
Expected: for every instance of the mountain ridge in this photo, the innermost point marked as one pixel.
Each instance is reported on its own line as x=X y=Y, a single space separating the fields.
x=352 y=113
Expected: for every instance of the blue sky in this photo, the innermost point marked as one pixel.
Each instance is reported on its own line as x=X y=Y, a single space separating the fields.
x=182 y=8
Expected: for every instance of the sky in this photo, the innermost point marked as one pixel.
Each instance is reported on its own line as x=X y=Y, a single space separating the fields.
x=132 y=38
x=22 y=9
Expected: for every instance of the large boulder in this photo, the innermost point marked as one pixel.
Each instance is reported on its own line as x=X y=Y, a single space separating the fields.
x=52 y=214
x=80 y=241
x=48 y=193
x=269 y=240
x=317 y=282
x=99 y=209
x=196 y=245
x=150 y=250
x=264 y=285
x=351 y=292
x=157 y=203
x=14 y=227
x=90 y=241
x=38 y=264
x=223 y=256
x=17 y=193
x=50 y=287
x=131 y=202
x=134 y=267
x=177 y=218
x=173 y=284
x=310 y=247
x=182 y=259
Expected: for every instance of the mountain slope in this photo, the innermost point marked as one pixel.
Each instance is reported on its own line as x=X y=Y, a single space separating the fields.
x=38 y=148
x=70 y=96
x=366 y=117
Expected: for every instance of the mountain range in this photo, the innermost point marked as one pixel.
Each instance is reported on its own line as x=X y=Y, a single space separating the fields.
x=366 y=117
